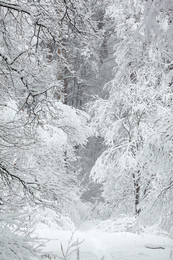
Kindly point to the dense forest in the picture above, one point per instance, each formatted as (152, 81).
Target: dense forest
(86, 116)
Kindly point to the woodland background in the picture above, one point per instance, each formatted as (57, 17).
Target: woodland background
(86, 115)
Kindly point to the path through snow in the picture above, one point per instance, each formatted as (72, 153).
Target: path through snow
(99, 245)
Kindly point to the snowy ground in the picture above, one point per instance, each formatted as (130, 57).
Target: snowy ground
(98, 245)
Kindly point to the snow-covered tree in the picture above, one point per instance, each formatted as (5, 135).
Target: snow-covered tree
(38, 130)
(136, 119)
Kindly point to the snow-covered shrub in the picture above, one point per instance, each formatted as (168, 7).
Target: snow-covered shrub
(121, 224)
(16, 247)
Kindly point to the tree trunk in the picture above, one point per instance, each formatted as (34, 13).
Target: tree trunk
(137, 192)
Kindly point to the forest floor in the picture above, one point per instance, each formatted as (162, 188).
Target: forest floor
(92, 244)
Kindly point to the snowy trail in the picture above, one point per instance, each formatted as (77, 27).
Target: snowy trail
(98, 245)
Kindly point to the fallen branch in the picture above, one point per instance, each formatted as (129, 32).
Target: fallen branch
(154, 247)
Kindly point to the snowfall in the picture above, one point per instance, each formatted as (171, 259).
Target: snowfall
(92, 242)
